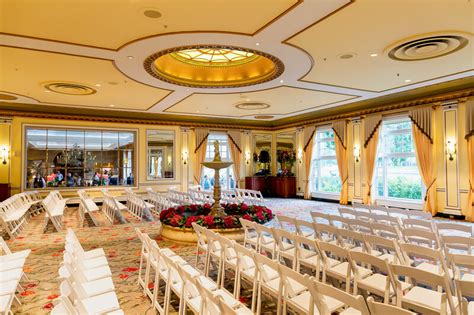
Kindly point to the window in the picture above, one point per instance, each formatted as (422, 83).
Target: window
(79, 158)
(160, 147)
(397, 174)
(227, 178)
(325, 174)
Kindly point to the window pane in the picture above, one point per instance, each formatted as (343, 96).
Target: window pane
(36, 166)
(329, 180)
(325, 173)
(56, 158)
(93, 157)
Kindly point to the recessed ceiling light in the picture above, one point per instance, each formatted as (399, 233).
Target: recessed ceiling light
(407, 80)
(152, 14)
(258, 44)
(247, 99)
(112, 105)
(130, 57)
(97, 85)
(47, 91)
(374, 55)
(281, 81)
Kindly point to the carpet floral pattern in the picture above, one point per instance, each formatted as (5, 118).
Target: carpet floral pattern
(122, 247)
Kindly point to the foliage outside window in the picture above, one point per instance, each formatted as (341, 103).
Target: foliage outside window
(325, 173)
(60, 158)
(397, 174)
(227, 177)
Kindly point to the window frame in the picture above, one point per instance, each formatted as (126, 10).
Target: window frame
(229, 170)
(385, 199)
(24, 162)
(318, 158)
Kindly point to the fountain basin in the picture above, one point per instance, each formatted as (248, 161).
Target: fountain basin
(187, 236)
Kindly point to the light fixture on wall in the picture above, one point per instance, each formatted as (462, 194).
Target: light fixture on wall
(357, 153)
(4, 155)
(451, 149)
(247, 157)
(169, 160)
(184, 157)
(300, 156)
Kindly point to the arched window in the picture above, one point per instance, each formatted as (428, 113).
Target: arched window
(227, 177)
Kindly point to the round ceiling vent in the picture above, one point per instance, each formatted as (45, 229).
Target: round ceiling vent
(6, 97)
(428, 47)
(347, 56)
(152, 13)
(264, 117)
(69, 88)
(252, 105)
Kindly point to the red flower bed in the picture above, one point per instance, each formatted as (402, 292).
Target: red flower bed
(184, 216)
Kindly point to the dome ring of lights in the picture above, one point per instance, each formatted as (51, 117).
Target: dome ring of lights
(213, 66)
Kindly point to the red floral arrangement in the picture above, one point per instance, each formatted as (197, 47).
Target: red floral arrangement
(184, 216)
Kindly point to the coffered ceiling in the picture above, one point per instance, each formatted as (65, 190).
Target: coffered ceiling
(88, 54)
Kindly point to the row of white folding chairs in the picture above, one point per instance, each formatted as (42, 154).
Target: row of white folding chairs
(200, 196)
(230, 196)
(159, 200)
(179, 197)
(412, 255)
(194, 290)
(112, 208)
(301, 293)
(250, 197)
(54, 205)
(87, 206)
(137, 206)
(86, 284)
(11, 273)
(392, 211)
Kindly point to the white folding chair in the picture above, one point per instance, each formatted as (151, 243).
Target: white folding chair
(201, 246)
(304, 228)
(286, 223)
(457, 243)
(266, 241)
(285, 246)
(250, 233)
(384, 248)
(385, 309)
(269, 281)
(421, 237)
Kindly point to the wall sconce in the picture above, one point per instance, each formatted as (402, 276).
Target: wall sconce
(300, 156)
(357, 153)
(169, 160)
(184, 157)
(4, 155)
(247, 157)
(451, 149)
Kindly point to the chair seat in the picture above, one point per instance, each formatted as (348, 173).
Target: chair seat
(341, 271)
(252, 239)
(12, 264)
(15, 255)
(376, 282)
(93, 253)
(303, 300)
(97, 273)
(13, 274)
(195, 304)
(99, 286)
(5, 302)
(426, 298)
(468, 277)
(8, 287)
(389, 257)
(436, 269)
(103, 303)
(305, 253)
(227, 297)
(91, 206)
(350, 311)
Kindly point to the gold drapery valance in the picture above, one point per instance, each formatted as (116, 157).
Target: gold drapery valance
(422, 118)
(201, 136)
(371, 124)
(308, 133)
(469, 118)
(339, 128)
(236, 138)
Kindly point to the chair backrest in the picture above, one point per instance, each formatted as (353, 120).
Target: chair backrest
(386, 230)
(464, 288)
(346, 212)
(320, 217)
(262, 229)
(286, 223)
(458, 229)
(363, 215)
(419, 236)
(333, 250)
(304, 228)
(287, 275)
(349, 239)
(385, 309)
(339, 221)
(245, 258)
(386, 219)
(324, 231)
(356, 302)
(416, 252)
(398, 212)
(200, 233)
(418, 224)
(457, 243)
(305, 245)
(461, 263)
(248, 226)
(263, 263)
(364, 259)
(379, 243)
(4, 246)
(362, 226)
(420, 214)
(378, 209)
(284, 238)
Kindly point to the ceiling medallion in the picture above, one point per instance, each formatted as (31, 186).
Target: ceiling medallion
(428, 47)
(69, 88)
(213, 66)
(252, 105)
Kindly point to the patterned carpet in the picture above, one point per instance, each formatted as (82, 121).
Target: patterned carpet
(123, 253)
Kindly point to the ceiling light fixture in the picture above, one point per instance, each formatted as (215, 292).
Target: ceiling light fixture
(130, 57)
(281, 81)
(47, 91)
(258, 44)
(98, 85)
(408, 80)
(374, 55)
(112, 105)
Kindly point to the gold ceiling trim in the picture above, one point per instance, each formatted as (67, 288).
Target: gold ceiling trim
(226, 125)
(166, 67)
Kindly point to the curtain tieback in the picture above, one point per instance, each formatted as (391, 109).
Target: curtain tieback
(345, 180)
(369, 193)
(428, 188)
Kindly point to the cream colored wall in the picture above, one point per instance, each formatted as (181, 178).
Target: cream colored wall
(5, 136)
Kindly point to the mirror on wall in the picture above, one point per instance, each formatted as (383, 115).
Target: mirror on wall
(262, 154)
(286, 153)
(160, 154)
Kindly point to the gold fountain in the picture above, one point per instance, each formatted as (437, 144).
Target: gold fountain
(217, 164)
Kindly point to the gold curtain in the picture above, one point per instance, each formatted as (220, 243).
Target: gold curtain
(200, 152)
(308, 154)
(341, 156)
(235, 153)
(425, 161)
(469, 212)
(371, 140)
(370, 156)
